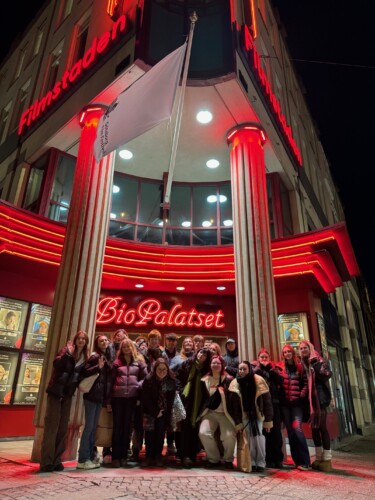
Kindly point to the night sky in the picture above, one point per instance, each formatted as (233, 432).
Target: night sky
(339, 96)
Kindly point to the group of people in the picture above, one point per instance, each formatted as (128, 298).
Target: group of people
(144, 387)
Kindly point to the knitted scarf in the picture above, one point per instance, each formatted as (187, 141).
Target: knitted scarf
(193, 387)
(248, 391)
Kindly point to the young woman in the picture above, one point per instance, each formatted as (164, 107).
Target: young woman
(187, 351)
(293, 398)
(318, 374)
(98, 362)
(158, 392)
(227, 416)
(66, 375)
(257, 411)
(274, 438)
(189, 374)
(127, 376)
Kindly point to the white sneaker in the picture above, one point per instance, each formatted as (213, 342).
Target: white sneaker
(87, 465)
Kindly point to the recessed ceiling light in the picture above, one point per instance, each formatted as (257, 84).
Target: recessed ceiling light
(180, 288)
(160, 223)
(228, 222)
(204, 116)
(139, 285)
(222, 198)
(206, 223)
(212, 198)
(212, 163)
(113, 216)
(125, 154)
(186, 223)
(115, 189)
(221, 288)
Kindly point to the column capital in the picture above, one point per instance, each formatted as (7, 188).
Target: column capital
(250, 128)
(91, 113)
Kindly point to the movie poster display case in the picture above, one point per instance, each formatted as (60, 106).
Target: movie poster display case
(23, 337)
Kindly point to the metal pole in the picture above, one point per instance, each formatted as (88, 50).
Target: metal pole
(172, 161)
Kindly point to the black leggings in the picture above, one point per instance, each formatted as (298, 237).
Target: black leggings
(320, 436)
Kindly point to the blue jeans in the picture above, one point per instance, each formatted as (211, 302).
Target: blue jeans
(86, 447)
(292, 416)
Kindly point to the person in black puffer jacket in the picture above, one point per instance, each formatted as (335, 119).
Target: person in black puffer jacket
(318, 374)
(94, 400)
(67, 371)
(157, 396)
(274, 438)
(293, 399)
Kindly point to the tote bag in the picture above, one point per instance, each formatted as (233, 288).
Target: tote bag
(86, 383)
(243, 452)
(104, 429)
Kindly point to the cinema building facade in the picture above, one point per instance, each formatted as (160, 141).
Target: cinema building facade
(253, 242)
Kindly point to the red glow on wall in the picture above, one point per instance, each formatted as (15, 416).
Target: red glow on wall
(70, 77)
(255, 63)
(149, 311)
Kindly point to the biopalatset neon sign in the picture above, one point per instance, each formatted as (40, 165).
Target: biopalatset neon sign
(254, 60)
(98, 47)
(150, 311)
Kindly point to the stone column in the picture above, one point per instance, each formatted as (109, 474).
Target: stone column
(255, 290)
(79, 279)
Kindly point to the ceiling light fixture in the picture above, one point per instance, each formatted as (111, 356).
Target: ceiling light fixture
(212, 198)
(139, 285)
(204, 116)
(221, 288)
(180, 288)
(186, 223)
(125, 154)
(206, 223)
(115, 189)
(228, 222)
(212, 163)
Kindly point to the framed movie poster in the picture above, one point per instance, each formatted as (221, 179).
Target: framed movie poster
(12, 321)
(323, 337)
(293, 328)
(8, 366)
(28, 379)
(38, 327)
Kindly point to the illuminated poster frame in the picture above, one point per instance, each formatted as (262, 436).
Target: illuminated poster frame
(293, 327)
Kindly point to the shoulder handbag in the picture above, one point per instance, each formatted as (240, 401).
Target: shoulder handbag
(178, 411)
(86, 383)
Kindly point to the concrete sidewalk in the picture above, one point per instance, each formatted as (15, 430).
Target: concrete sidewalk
(353, 477)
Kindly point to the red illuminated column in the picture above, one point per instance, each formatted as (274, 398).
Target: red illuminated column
(78, 285)
(255, 291)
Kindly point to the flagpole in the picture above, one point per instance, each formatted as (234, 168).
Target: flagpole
(172, 161)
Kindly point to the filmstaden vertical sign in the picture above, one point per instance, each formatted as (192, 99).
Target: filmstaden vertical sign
(150, 312)
(99, 46)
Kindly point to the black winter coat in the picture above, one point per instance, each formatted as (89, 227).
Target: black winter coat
(65, 376)
(150, 396)
(100, 392)
(272, 375)
(322, 374)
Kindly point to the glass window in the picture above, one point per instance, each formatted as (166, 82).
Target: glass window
(151, 196)
(226, 236)
(21, 59)
(225, 205)
(124, 197)
(20, 105)
(178, 237)
(180, 211)
(121, 230)
(204, 206)
(34, 184)
(149, 234)
(38, 40)
(55, 59)
(205, 237)
(62, 188)
(4, 120)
